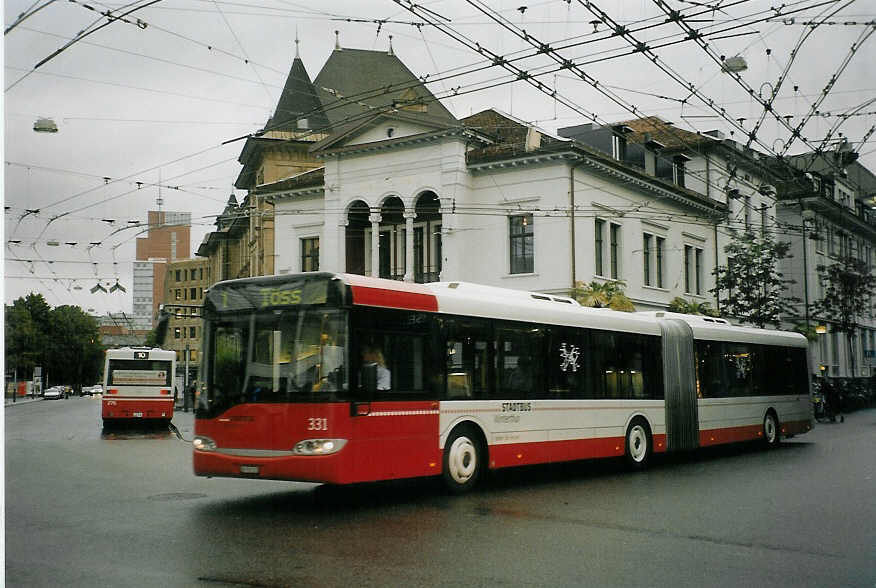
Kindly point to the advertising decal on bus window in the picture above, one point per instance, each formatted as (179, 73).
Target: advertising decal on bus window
(139, 377)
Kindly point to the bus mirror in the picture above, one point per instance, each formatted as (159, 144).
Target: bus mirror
(369, 378)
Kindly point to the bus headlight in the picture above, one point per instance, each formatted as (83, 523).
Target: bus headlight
(203, 444)
(318, 446)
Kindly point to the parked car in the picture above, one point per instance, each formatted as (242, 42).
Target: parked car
(54, 393)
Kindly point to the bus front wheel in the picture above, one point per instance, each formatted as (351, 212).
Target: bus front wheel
(463, 460)
(637, 450)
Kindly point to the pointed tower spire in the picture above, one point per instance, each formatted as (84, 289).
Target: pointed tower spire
(337, 41)
(390, 45)
(297, 54)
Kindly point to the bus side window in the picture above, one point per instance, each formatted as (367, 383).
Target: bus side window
(738, 367)
(520, 362)
(567, 364)
(468, 354)
(709, 368)
(403, 354)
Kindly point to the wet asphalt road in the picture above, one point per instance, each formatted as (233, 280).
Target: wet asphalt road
(88, 509)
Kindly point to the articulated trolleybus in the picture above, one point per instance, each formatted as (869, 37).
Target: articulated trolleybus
(341, 378)
(138, 384)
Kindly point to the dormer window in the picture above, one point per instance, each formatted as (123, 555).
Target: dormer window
(303, 124)
(619, 142)
(390, 131)
(678, 169)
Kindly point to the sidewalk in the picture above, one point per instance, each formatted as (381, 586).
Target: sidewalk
(22, 400)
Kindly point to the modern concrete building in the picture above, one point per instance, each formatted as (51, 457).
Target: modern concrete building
(167, 240)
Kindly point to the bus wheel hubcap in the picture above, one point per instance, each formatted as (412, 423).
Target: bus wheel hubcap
(638, 444)
(770, 427)
(462, 460)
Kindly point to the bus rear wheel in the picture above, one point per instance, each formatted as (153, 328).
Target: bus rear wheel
(771, 435)
(637, 444)
(463, 460)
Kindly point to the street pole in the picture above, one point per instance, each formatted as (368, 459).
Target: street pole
(186, 380)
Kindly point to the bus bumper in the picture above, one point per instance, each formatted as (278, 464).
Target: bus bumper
(113, 408)
(299, 468)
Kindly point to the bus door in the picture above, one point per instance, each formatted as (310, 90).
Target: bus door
(679, 385)
(395, 414)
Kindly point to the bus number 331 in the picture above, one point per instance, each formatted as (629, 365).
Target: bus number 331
(317, 424)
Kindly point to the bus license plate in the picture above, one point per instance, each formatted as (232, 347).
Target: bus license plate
(249, 469)
(138, 414)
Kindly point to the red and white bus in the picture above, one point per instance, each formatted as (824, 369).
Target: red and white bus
(138, 384)
(341, 378)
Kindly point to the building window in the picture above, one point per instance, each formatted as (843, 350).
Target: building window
(834, 354)
(678, 170)
(659, 254)
(178, 294)
(653, 249)
(192, 332)
(647, 241)
(618, 146)
(310, 254)
(176, 332)
(193, 293)
(764, 220)
(693, 270)
(747, 212)
(614, 249)
(177, 275)
(599, 229)
(521, 240)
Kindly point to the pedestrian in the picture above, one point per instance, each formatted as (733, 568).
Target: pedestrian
(192, 389)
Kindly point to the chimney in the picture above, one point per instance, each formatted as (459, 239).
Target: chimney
(533, 139)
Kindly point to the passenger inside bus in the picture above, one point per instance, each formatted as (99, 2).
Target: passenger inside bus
(373, 355)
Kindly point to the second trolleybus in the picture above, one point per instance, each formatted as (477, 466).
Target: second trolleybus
(341, 378)
(138, 384)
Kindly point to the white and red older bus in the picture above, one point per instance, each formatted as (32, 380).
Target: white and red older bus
(342, 378)
(138, 384)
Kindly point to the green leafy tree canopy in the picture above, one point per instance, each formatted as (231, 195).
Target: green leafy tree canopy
(754, 287)
(64, 340)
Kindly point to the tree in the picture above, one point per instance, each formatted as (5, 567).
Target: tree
(848, 287)
(27, 323)
(64, 340)
(754, 285)
(74, 346)
(679, 304)
(603, 295)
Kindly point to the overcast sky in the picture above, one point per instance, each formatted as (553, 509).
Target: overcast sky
(152, 103)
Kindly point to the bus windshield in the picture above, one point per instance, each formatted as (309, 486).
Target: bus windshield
(290, 355)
